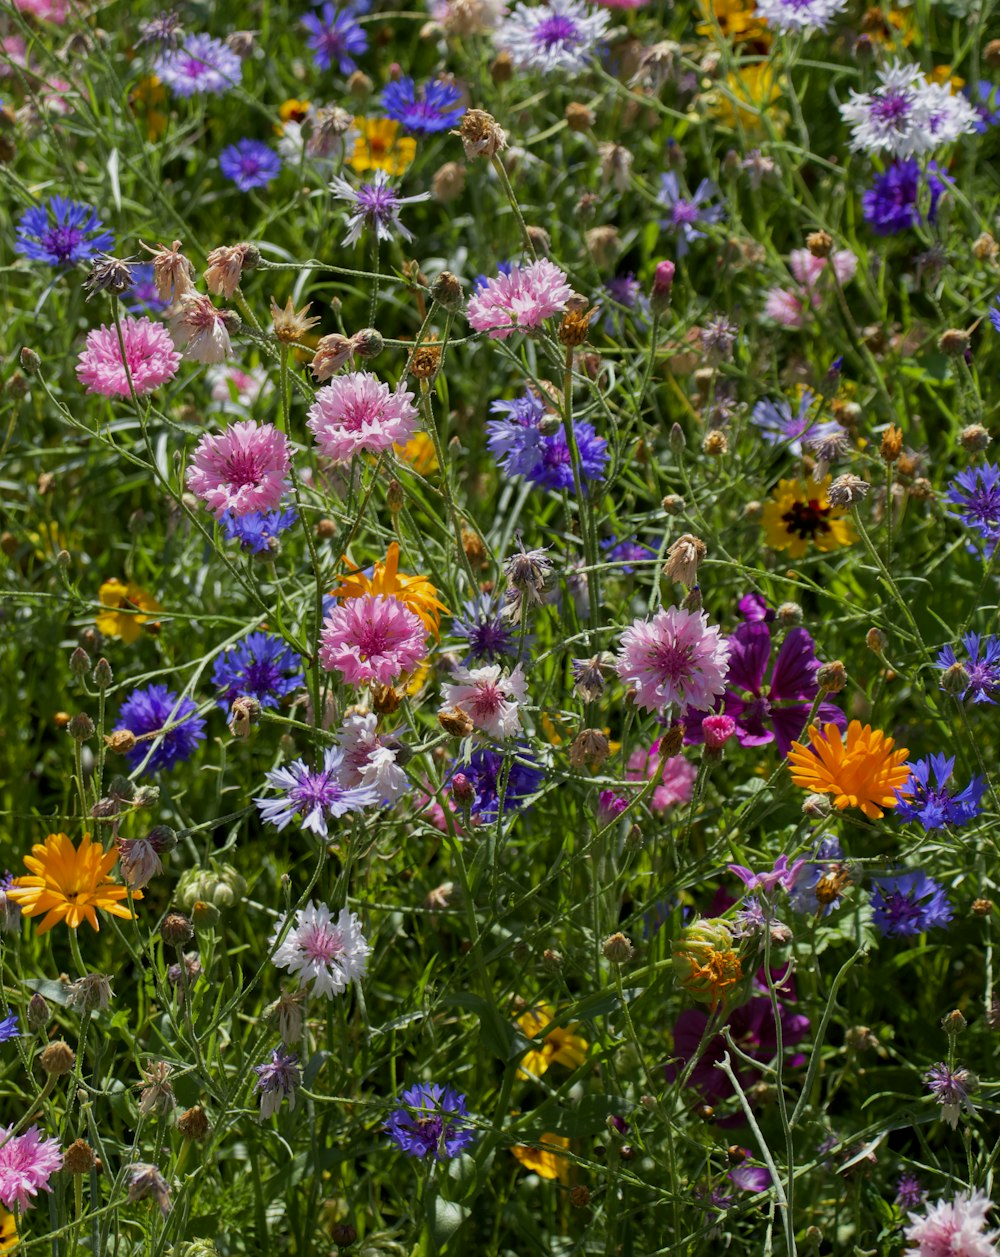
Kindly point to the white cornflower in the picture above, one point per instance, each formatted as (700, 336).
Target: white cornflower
(799, 15)
(905, 115)
(368, 760)
(328, 953)
(488, 698)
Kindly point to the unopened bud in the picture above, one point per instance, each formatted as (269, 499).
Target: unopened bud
(876, 641)
(892, 444)
(368, 343)
(618, 949)
(447, 291)
(673, 504)
(789, 614)
(955, 680)
(462, 790)
(79, 662)
(103, 676)
(816, 806)
(954, 342)
(832, 677)
(974, 438)
(663, 282)
(677, 438)
(81, 727)
(953, 1023)
(57, 1059)
(38, 1013)
(819, 243)
(176, 929)
(79, 1158)
(394, 498)
(30, 361)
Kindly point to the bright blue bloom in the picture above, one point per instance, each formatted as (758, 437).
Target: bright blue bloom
(683, 213)
(909, 904)
(936, 806)
(983, 97)
(8, 1028)
(432, 109)
(521, 449)
(994, 313)
(335, 36)
(261, 667)
(256, 531)
(984, 672)
(891, 204)
(503, 268)
(142, 297)
(483, 770)
(489, 636)
(250, 164)
(431, 1123)
(802, 895)
(203, 64)
(62, 233)
(976, 491)
(147, 711)
(627, 552)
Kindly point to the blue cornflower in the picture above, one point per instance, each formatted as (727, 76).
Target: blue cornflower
(983, 97)
(936, 806)
(335, 36)
(976, 491)
(143, 297)
(434, 108)
(994, 313)
(684, 212)
(802, 895)
(909, 904)
(250, 164)
(277, 1080)
(503, 268)
(626, 552)
(8, 1028)
(431, 1122)
(983, 672)
(62, 233)
(313, 795)
(891, 204)
(483, 771)
(778, 423)
(148, 711)
(203, 64)
(261, 667)
(256, 531)
(521, 449)
(489, 636)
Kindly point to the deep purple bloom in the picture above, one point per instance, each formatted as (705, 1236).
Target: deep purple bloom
(484, 772)
(249, 164)
(261, 667)
(983, 97)
(489, 636)
(936, 806)
(983, 670)
(431, 1122)
(951, 1088)
(148, 711)
(62, 233)
(909, 904)
(335, 36)
(277, 1080)
(609, 807)
(164, 31)
(521, 449)
(802, 895)
(781, 875)
(8, 1028)
(891, 205)
(143, 297)
(909, 1192)
(256, 531)
(434, 108)
(684, 213)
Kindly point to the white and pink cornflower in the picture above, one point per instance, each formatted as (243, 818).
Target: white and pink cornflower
(369, 759)
(375, 205)
(329, 954)
(520, 300)
(199, 329)
(905, 115)
(799, 15)
(244, 469)
(372, 638)
(356, 412)
(560, 35)
(314, 795)
(676, 657)
(790, 306)
(150, 358)
(953, 1227)
(489, 698)
(236, 389)
(27, 1162)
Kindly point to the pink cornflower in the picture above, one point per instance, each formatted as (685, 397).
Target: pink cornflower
(718, 730)
(26, 1163)
(45, 10)
(521, 299)
(488, 698)
(372, 638)
(200, 329)
(243, 470)
(676, 779)
(356, 412)
(953, 1229)
(674, 658)
(150, 357)
(788, 306)
(330, 954)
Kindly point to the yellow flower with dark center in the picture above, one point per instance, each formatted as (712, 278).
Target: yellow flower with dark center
(544, 1161)
(799, 515)
(736, 19)
(69, 883)
(8, 1231)
(560, 1045)
(862, 770)
(418, 453)
(416, 592)
(124, 602)
(293, 111)
(380, 147)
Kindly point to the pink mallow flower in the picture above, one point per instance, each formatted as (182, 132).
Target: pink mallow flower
(150, 357)
(26, 1163)
(372, 638)
(243, 470)
(953, 1229)
(676, 779)
(519, 300)
(356, 412)
(488, 698)
(788, 306)
(674, 658)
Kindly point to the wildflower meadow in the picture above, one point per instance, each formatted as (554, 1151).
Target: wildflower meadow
(501, 636)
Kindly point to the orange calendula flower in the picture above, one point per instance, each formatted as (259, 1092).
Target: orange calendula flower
(379, 146)
(544, 1161)
(560, 1046)
(123, 603)
(418, 453)
(706, 963)
(416, 592)
(861, 771)
(69, 883)
(799, 515)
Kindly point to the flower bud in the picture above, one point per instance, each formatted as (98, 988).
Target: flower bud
(677, 438)
(876, 641)
(38, 1013)
(705, 961)
(955, 680)
(368, 343)
(176, 929)
(618, 949)
(832, 677)
(462, 790)
(663, 282)
(954, 342)
(789, 614)
(974, 439)
(673, 504)
(244, 715)
(79, 1158)
(447, 291)
(30, 361)
(103, 676)
(79, 662)
(81, 727)
(953, 1023)
(57, 1059)
(579, 117)
(817, 806)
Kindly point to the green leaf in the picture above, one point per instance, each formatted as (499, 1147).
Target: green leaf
(446, 1219)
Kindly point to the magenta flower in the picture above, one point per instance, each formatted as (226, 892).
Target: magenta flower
(780, 875)
(677, 777)
(356, 412)
(674, 658)
(372, 638)
(519, 300)
(26, 1164)
(956, 1227)
(243, 470)
(150, 357)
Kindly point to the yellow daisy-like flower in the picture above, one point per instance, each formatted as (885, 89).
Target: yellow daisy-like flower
(750, 93)
(293, 110)
(123, 602)
(799, 515)
(68, 883)
(8, 1231)
(737, 19)
(416, 592)
(380, 147)
(861, 771)
(418, 453)
(560, 1045)
(543, 1161)
(942, 74)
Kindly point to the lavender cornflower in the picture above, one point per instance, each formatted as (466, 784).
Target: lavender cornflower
(994, 313)
(560, 35)
(951, 1088)
(257, 532)
(435, 107)
(431, 1122)
(277, 1080)
(335, 36)
(909, 904)
(811, 881)
(976, 492)
(778, 423)
(201, 64)
(149, 710)
(891, 204)
(936, 806)
(10, 912)
(979, 675)
(261, 667)
(313, 795)
(522, 449)
(375, 205)
(8, 1028)
(62, 233)
(249, 164)
(781, 875)
(489, 638)
(799, 15)
(685, 212)
(909, 1192)
(164, 30)
(627, 552)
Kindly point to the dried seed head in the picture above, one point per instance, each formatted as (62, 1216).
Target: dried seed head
(176, 929)
(789, 614)
(92, 993)
(986, 248)
(109, 274)
(832, 677)
(455, 721)
(618, 949)
(579, 117)
(226, 265)
(193, 1124)
(172, 271)
(540, 239)
(502, 67)
(481, 135)
(425, 362)
(819, 244)
(447, 291)
(847, 490)
(291, 325)
(332, 352)
(974, 438)
(982, 907)
(589, 748)
(672, 741)
(991, 54)
(892, 444)
(683, 559)
(954, 342)
(79, 1158)
(574, 328)
(876, 641)
(715, 444)
(81, 727)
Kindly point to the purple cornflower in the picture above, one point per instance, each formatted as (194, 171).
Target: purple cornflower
(891, 204)
(778, 423)
(8, 1028)
(434, 108)
(375, 205)
(249, 164)
(261, 667)
(983, 671)
(951, 1088)
(521, 449)
(909, 1192)
(335, 36)
(627, 552)
(750, 1178)
(10, 912)
(802, 895)
(489, 637)
(202, 64)
(62, 233)
(277, 1080)
(685, 212)
(164, 30)
(257, 531)
(143, 297)
(609, 807)
(936, 806)
(994, 313)
(976, 492)
(313, 795)
(484, 771)
(781, 875)
(431, 1122)
(150, 710)
(909, 904)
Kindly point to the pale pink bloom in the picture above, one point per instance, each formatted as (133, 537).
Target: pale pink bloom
(242, 470)
(807, 269)
(431, 810)
(953, 1229)
(330, 954)
(356, 412)
(26, 1163)
(45, 10)
(249, 385)
(150, 357)
(368, 759)
(676, 780)
(372, 638)
(12, 48)
(200, 329)
(674, 658)
(521, 299)
(488, 698)
(788, 306)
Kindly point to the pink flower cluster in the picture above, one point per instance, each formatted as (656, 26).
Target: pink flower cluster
(150, 357)
(372, 638)
(788, 306)
(954, 1228)
(242, 470)
(523, 298)
(489, 699)
(356, 412)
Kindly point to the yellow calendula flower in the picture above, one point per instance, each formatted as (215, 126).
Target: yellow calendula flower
(8, 1231)
(560, 1045)
(418, 453)
(860, 770)
(749, 94)
(379, 146)
(544, 1160)
(69, 883)
(736, 19)
(416, 592)
(799, 516)
(127, 607)
(888, 29)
